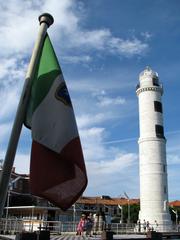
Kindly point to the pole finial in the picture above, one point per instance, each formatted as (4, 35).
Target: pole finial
(47, 18)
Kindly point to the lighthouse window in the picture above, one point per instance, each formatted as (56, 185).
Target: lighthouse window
(159, 131)
(158, 106)
(165, 190)
(155, 82)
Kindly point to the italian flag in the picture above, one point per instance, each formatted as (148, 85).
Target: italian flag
(57, 169)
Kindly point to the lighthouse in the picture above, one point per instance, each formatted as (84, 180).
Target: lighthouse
(152, 153)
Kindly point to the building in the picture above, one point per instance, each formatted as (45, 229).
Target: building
(152, 152)
(21, 204)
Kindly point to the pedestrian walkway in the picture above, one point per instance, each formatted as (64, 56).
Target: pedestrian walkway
(8, 237)
(97, 237)
(74, 237)
(56, 237)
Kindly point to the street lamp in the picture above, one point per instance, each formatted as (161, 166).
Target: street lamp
(128, 199)
(175, 212)
(74, 216)
(121, 207)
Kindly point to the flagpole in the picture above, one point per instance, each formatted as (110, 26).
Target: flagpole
(45, 21)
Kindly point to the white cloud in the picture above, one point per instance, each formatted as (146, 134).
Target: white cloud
(22, 162)
(12, 69)
(77, 44)
(18, 28)
(107, 166)
(68, 16)
(86, 120)
(112, 166)
(9, 101)
(5, 129)
(77, 59)
(147, 35)
(127, 47)
(173, 159)
(92, 39)
(107, 101)
(64, 12)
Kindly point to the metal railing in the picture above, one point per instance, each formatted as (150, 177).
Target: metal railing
(13, 226)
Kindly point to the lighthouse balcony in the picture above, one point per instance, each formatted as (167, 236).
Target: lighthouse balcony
(153, 84)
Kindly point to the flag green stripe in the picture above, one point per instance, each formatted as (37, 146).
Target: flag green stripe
(46, 71)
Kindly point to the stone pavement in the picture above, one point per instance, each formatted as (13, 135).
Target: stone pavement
(56, 237)
(74, 237)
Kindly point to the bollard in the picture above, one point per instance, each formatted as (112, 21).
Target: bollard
(44, 235)
(154, 235)
(26, 236)
(107, 235)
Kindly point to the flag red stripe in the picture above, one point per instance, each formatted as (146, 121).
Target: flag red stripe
(53, 175)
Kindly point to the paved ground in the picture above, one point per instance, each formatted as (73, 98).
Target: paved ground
(74, 237)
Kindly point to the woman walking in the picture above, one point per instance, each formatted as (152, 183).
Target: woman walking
(81, 225)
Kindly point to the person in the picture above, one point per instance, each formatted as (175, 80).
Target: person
(155, 225)
(81, 225)
(148, 226)
(144, 225)
(89, 225)
(139, 225)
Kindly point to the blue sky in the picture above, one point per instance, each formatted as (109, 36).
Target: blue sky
(102, 47)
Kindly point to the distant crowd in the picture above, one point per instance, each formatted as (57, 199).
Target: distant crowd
(146, 226)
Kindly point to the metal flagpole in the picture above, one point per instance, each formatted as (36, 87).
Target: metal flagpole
(45, 21)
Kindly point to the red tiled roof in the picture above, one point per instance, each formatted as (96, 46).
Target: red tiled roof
(109, 201)
(175, 203)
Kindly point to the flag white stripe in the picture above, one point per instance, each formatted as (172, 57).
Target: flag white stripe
(58, 120)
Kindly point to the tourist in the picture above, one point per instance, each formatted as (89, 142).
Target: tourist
(81, 225)
(139, 225)
(89, 225)
(144, 225)
(155, 225)
(148, 226)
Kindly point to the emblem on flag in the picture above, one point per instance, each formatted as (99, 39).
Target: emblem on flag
(63, 95)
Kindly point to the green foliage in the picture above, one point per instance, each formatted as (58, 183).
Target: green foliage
(173, 215)
(134, 212)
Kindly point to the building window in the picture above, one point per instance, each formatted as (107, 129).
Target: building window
(164, 168)
(159, 131)
(158, 106)
(106, 209)
(165, 189)
(155, 82)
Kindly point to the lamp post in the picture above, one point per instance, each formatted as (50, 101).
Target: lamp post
(74, 216)
(129, 217)
(121, 207)
(175, 212)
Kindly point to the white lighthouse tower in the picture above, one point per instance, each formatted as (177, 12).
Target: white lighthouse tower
(152, 153)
